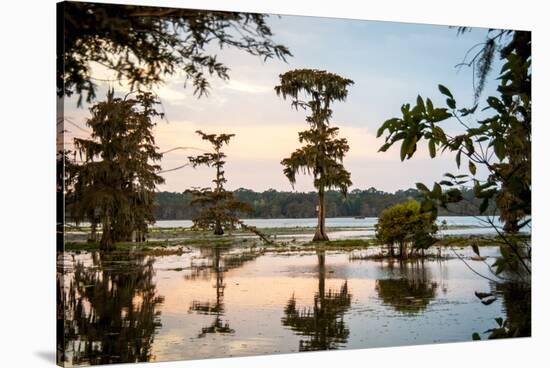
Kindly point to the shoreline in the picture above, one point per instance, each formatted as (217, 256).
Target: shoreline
(175, 246)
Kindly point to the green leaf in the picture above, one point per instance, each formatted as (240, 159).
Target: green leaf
(422, 187)
(500, 151)
(399, 136)
(406, 146)
(403, 152)
(412, 146)
(454, 195)
(469, 146)
(439, 133)
(439, 114)
(451, 103)
(380, 130)
(476, 337)
(388, 124)
(431, 145)
(437, 192)
(472, 167)
(420, 103)
(483, 206)
(430, 106)
(384, 147)
(445, 91)
(495, 103)
(458, 156)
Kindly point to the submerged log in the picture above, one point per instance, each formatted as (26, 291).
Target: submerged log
(254, 229)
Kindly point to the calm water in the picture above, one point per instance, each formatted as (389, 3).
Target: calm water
(367, 222)
(349, 227)
(214, 302)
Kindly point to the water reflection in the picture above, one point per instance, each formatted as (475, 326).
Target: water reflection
(218, 262)
(516, 300)
(111, 310)
(323, 323)
(412, 292)
(215, 308)
(240, 301)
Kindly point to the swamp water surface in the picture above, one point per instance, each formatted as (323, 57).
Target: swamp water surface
(213, 302)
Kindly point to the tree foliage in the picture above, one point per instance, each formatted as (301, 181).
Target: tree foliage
(114, 180)
(480, 57)
(322, 153)
(282, 204)
(219, 208)
(501, 143)
(143, 45)
(406, 224)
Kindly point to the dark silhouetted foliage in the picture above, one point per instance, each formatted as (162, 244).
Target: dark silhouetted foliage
(276, 204)
(218, 208)
(113, 178)
(501, 143)
(143, 44)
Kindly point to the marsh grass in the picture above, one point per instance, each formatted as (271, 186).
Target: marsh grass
(479, 240)
(198, 239)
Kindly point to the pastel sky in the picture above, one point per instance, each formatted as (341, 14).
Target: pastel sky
(390, 63)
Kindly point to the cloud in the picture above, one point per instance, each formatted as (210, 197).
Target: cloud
(173, 95)
(390, 63)
(247, 87)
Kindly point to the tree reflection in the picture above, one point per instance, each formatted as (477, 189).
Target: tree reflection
(412, 292)
(111, 310)
(323, 324)
(516, 300)
(219, 262)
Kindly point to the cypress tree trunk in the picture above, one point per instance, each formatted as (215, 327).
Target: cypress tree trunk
(218, 229)
(320, 232)
(106, 242)
(93, 233)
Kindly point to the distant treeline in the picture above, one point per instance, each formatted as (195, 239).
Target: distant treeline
(275, 204)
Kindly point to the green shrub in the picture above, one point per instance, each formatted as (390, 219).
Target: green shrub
(406, 225)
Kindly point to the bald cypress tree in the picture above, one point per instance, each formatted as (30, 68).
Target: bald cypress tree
(322, 153)
(117, 176)
(219, 209)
